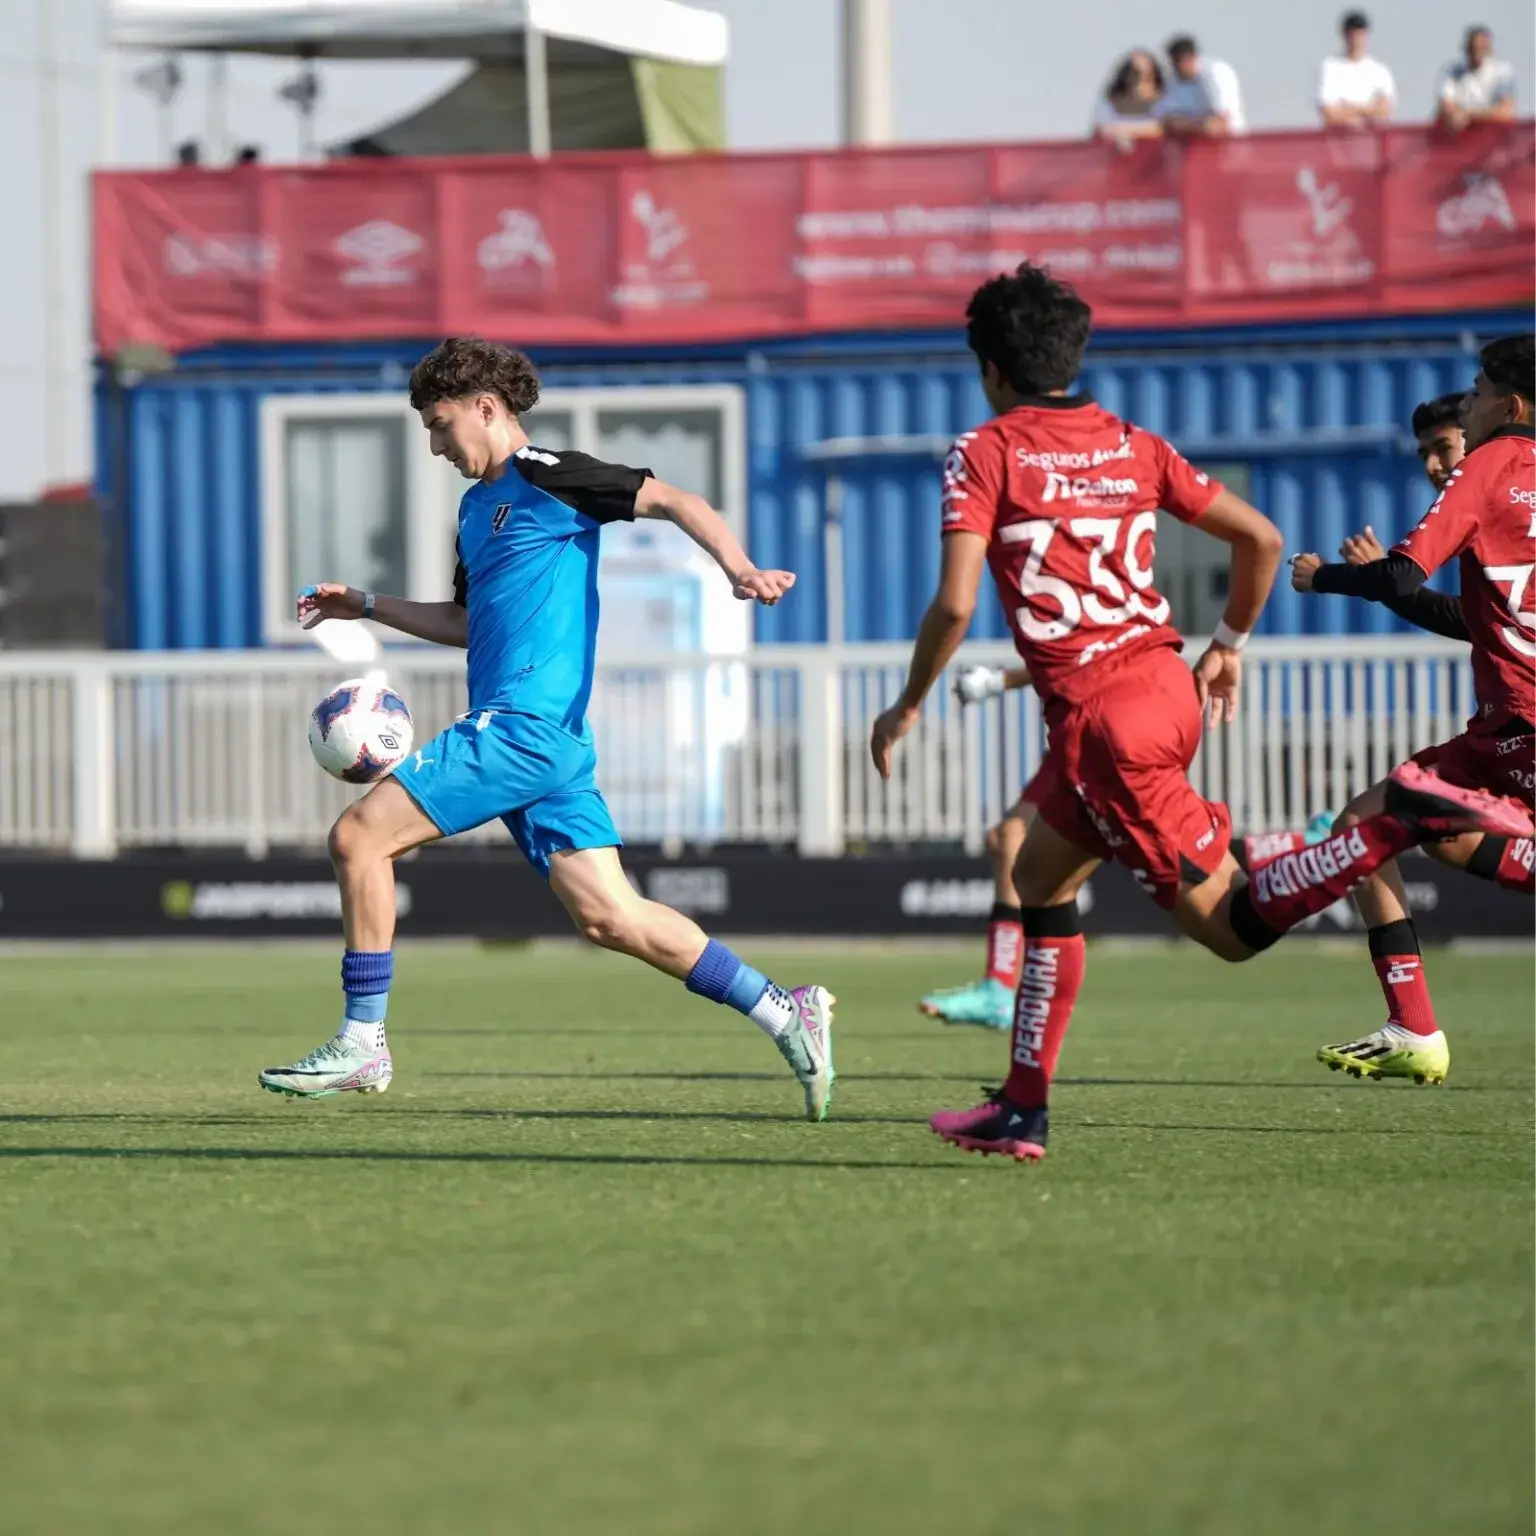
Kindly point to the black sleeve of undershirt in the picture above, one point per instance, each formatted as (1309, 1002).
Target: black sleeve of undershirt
(1396, 583)
(1396, 576)
(604, 492)
(1438, 612)
(460, 578)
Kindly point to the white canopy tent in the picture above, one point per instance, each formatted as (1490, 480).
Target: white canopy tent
(531, 33)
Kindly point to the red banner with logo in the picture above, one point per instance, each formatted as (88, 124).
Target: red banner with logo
(629, 249)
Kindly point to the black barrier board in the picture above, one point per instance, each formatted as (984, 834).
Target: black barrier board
(490, 893)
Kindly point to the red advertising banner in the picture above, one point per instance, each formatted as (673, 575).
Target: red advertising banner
(629, 249)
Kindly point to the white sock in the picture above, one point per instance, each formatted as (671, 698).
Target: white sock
(774, 1011)
(369, 1036)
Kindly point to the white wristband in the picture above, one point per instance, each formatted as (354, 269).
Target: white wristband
(1233, 639)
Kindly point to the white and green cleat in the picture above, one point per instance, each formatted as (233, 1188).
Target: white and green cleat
(987, 1003)
(1392, 1051)
(806, 1044)
(339, 1066)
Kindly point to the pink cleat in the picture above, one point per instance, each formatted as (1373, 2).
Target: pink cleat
(998, 1126)
(1434, 808)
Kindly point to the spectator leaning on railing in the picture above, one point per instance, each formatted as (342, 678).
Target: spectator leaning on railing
(1204, 96)
(1477, 88)
(1353, 89)
(1127, 110)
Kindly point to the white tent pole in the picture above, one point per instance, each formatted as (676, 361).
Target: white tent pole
(536, 85)
(58, 415)
(867, 115)
(218, 108)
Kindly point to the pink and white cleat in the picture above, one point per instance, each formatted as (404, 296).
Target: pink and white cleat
(999, 1126)
(339, 1066)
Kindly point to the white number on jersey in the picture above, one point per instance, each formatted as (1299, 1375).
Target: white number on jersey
(1115, 606)
(1522, 633)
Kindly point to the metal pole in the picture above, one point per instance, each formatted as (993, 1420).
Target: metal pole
(832, 560)
(867, 106)
(217, 130)
(106, 91)
(57, 414)
(536, 86)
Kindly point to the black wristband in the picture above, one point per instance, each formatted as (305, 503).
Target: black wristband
(369, 599)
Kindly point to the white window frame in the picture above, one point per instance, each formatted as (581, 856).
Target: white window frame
(429, 570)
(730, 400)
(431, 504)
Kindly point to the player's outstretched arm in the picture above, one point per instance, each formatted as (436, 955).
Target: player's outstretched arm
(938, 637)
(1256, 548)
(709, 531)
(441, 623)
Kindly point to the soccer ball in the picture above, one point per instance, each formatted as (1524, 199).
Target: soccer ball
(360, 730)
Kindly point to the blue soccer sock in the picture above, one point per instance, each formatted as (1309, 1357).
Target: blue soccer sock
(722, 977)
(365, 978)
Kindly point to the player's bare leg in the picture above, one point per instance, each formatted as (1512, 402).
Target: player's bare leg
(1236, 919)
(1014, 1121)
(365, 842)
(989, 1002)
(592, 886)
(1410, 1044)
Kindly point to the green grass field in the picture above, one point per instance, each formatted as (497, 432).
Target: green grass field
(584, 1269)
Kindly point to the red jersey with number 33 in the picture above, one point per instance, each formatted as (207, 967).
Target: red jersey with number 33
(1066, 496)
(1487, 515)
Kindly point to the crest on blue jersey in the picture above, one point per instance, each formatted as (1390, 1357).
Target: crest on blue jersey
(499, 517)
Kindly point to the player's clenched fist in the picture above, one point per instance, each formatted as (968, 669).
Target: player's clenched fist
(330, 600)
(1303, 569)
(766, 587)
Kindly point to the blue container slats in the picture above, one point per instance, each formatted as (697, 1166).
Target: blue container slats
(1311, 424)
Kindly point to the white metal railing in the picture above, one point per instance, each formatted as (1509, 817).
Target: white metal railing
(133, 749)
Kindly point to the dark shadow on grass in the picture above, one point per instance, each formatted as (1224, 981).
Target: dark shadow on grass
(636, 1160)
(551, 1075)
(1417, 1132)
(704, 1077)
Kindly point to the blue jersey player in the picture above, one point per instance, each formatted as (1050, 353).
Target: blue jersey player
(525, 607)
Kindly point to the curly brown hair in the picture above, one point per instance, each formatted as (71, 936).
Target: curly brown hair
(465, 365)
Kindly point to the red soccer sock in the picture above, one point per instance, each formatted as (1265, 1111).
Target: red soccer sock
(1296, 886)
(1054, 962)
(1005, 945)
(1507, 861)
(1400, 970)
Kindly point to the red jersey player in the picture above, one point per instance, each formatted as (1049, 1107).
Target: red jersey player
(1485, 515)
(1061, 499)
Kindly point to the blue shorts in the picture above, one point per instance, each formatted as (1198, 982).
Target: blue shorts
(534, 775)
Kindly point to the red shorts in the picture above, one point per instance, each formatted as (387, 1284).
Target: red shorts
(1503, 765)
(1037, 789)
(1116, 778)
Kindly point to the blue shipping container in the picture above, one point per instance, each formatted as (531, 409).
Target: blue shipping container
(1311, 423)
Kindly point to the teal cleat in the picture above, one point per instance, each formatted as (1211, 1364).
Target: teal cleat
(986, 1003)
(1319, 827)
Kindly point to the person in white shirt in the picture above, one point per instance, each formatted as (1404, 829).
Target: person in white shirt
(1477, 88)
(1127, 111)
(1353, 89)
(1204, 97)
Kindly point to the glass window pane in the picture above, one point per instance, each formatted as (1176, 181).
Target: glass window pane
(682, 447)
(346, 503)
(1192, 568)
(551, 429)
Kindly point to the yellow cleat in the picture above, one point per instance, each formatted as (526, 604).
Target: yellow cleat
(1392, 1051)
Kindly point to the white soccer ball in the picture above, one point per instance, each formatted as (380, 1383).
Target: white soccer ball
(360, 730)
